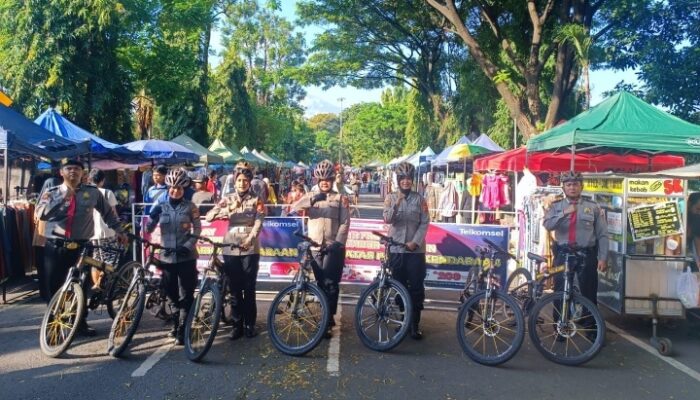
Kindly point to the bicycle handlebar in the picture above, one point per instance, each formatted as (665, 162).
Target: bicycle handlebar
(215, 244)
(141, 240)
(497, 248)
(387, 240)
(306, 238)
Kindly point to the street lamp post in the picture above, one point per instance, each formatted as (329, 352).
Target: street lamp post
(340, 142)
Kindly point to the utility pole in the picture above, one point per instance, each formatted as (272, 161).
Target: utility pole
(340, 142)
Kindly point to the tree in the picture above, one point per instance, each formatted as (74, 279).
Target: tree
(328, 122)
(579, 38)
(374, 131)
(512, 41)
(419, 130)
(372, 43)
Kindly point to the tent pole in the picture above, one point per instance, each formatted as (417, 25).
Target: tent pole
(573, 156)
(6, 190)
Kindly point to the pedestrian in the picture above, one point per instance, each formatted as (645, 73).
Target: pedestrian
(213, 184)
(581, 223)
(355, 185)
(158, 189)
(103, 233)
(67, 210)
(407, 213)
(245, 212)
(178, 219)
(328, 225)
(202, 196)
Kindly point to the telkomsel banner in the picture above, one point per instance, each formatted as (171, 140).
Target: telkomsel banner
(451, 249)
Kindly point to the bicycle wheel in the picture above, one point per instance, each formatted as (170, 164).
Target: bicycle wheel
(573, 340)
(203, 322)
(490, 329)
(383, 315)
(520, 286)
(119, 285)
(61, 320)
(297, 319)
(127, 320)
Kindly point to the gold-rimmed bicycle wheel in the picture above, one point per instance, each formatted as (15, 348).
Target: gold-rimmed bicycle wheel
(127, 319)
(61, 320)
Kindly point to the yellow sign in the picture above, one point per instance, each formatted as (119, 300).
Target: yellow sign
(655, 186)
(603, 185)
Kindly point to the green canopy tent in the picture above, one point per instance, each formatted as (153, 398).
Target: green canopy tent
(205, 155)
(252, 158)
(230, 155)
(622, 123)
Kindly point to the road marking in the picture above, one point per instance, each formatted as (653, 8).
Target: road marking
(23, 328)
(651, 350)
(333, 366)
(153, 359)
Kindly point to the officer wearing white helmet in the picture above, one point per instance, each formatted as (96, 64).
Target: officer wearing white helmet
(178, 219)
(329, 222)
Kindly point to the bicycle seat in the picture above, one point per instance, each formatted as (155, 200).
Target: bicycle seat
(535, 257)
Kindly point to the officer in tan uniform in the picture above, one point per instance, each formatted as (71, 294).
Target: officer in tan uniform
(67, 209)
(245, 212)
(407, 213)
(579, 222)
(328, 224)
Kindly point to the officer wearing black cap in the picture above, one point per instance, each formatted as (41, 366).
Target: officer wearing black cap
(68, 210)
(582, 223)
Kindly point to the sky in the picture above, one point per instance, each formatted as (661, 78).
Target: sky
(329, 101)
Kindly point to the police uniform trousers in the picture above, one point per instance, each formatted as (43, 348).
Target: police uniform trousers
(179, 281)
(328, 269)
(409, 269)
(587, 274)
(57, 262)
(242, 272)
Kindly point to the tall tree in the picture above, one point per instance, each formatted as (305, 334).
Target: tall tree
(419, 130)
(374, 131)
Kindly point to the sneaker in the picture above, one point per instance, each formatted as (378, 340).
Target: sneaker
(236, 333)
(416, 333)
(180, 338)
(250, 332)
(329, 332)
(86, 330)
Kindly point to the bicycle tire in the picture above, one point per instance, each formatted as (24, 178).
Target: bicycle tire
(53, 329)
(202, 322)
(379, 312)
(119, 285)
(472, 334)
(543, 329)
(520, 287)
(314, 313)
(127, 320)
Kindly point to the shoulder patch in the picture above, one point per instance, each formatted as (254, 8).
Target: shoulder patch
(387, 201)
(195, 211)
(424, 205)
(260, 207)
(344, 201)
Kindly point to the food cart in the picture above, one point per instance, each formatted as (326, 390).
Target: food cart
(646, 219)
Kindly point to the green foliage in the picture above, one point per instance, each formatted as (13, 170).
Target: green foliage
(419, 129)
(374, 131)
(501, 131)
(327, 122)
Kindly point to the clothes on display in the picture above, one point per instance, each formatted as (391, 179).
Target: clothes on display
(16, 230)
(448, 202)
(533, 237)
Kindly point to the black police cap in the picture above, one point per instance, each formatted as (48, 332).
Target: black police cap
(72, 161)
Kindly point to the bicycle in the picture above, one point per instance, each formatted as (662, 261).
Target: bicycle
(490, 323)
(202, 323)
(564, 326)
(67, 308)
(143, 292)
(385, 305)
(299, 314)
(526, 290)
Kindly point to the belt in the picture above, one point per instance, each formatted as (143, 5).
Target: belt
(240, 229)
(68, 244)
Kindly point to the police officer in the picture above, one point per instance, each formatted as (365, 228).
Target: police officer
(329, 221)
(177, 218)
(407, 212)
(579, 222)
(245, 212)
(68, 210)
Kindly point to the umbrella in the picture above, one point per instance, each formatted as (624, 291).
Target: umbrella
(464, 151)
(163, 151)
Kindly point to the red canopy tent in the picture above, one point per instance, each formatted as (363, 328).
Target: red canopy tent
(517, 159)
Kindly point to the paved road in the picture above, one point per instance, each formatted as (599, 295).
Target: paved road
(434, 368)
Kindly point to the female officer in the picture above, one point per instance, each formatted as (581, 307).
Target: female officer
(407, 212)
(329, 221)
(177, 218)
(245, 212)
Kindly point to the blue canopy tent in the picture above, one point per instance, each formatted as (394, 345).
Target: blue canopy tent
(162, 151)
(61, 126)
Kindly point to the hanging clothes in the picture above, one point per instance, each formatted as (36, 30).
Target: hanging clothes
(448, 201)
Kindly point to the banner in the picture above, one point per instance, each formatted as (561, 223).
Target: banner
(665, 187)
(603, 185)
(450, 252)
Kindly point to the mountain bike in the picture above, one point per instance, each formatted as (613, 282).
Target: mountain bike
(384, 310)
(67, 308)
(143, 292)
(299, 314)
(490, 323)
(564, 326)
(203, 319)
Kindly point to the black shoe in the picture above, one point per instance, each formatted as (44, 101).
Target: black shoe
(173, 332)
(329, 332)
(416, 333)
(85, 330)
(180, 338)
(236, 333)
(250, 332)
